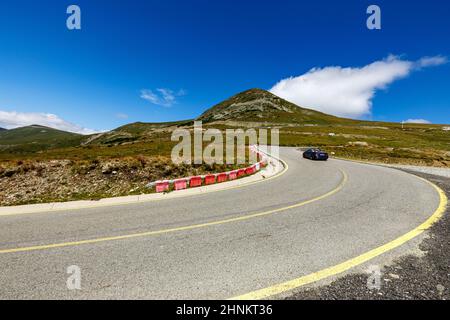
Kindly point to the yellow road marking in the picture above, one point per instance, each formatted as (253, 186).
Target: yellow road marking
(184, 228)
(345, 266)
(96, 205)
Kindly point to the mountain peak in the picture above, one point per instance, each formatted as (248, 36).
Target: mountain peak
(255, 91)
(257, 105)
(250, 104)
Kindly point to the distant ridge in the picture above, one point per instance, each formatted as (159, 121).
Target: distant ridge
(36, 138)
(254, 108)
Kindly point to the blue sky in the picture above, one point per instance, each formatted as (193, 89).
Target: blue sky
(168, 60)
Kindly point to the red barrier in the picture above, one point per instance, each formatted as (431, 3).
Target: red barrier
(241, 173)
(233, 175)
(195, 182)
(250, 170)
(222, 177)
(162, 186)
(210, 179)
(180, 184)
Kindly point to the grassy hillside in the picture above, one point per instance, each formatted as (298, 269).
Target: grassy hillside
(39, 164)
(134, 132)
(386, 142)
(255, 108)
(257, 105)
(31, 181)
(26, 140)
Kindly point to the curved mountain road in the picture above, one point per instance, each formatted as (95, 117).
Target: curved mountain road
(217, 245)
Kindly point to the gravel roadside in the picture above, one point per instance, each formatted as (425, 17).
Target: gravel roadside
(409, 277)
(443, 172)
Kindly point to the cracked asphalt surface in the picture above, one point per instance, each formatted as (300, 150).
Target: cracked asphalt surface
(217, 260)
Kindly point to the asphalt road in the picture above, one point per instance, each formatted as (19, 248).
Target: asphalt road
(216, 245)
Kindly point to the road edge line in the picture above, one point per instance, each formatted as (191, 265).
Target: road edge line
(349, 264)
(181, 228)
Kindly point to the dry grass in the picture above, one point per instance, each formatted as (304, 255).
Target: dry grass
(40, 181)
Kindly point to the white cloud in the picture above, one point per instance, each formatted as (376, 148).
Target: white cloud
(431, 61)
(419, 121)
(121, 116)
(13, 119)
(348, 92)
(162, 96)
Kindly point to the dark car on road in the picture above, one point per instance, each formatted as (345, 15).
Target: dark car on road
(315, 154)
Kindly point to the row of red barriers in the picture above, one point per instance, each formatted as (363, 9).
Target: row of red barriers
(210, 179)
(197, 181)
(162, 186)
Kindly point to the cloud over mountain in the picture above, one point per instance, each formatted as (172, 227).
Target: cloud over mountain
(348, 91)
(13, 119)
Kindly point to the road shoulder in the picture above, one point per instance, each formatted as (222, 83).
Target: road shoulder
(411, 276)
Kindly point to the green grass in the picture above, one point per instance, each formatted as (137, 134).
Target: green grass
(27, 140)
(387, 142)
(412, 145)
(141, 152)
